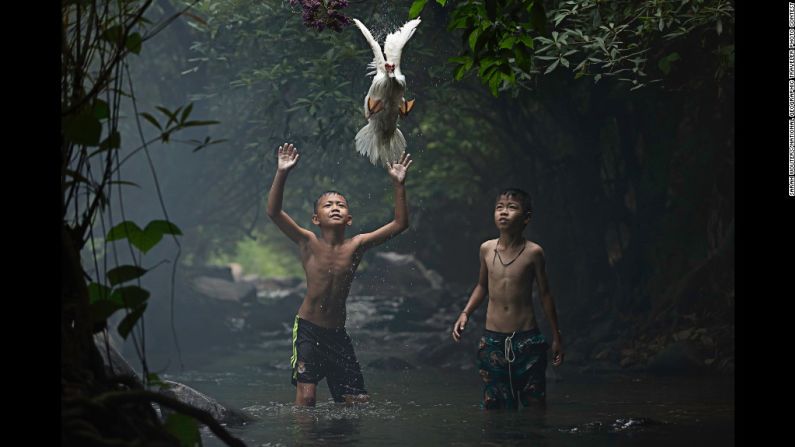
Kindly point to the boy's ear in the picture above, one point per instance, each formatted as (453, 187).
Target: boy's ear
(527, 217)
(350, 220)
(315, 220)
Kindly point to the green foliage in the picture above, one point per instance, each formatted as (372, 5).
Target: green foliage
(97, 292)
(126, 325)
(267, 256)
(97, 39)
(177, 120)
(144, 239)
(185, 429)
(124, 273)
(130, 296)
(507, 40)
(82, 128)
(270, 80)
(416, 8)
(153, 379)
(665, 62)
(106, 301)
(98, 36)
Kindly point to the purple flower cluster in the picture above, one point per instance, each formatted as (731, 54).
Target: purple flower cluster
(321, 14)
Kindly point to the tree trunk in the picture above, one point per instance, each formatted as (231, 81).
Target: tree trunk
(79, 356)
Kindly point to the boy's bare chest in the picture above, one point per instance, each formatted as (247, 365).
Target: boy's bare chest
(519, 272)
(331, 261)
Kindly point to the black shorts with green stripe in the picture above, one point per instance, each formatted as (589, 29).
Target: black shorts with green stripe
(320, 352)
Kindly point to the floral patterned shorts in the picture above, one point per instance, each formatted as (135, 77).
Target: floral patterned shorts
(523, 379)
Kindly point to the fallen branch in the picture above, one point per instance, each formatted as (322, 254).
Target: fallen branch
(149, 396)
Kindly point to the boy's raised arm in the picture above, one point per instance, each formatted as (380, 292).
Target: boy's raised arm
(549, 305)
(397, 172)
(478, 294)
(287, 158)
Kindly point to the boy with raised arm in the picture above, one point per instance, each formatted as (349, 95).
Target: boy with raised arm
(321, 346)
(512, 351)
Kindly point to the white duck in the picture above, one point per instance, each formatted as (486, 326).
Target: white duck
(380, 139)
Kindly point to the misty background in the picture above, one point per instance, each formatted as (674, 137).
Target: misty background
(633, 191)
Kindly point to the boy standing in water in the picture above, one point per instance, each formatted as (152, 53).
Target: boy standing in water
(512, 351)
(321, 346)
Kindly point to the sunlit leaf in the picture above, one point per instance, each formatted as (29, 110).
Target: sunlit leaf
(416, 8)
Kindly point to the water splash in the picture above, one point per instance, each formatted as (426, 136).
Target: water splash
(617, 426)
(327, 411)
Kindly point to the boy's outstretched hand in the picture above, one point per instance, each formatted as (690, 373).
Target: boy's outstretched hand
(288, 157)
(458, 327)
(397, 171)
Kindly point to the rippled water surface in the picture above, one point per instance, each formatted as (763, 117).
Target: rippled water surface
(430, 406)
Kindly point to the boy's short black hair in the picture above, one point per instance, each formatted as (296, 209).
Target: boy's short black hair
(521, 195)
(325, 193)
